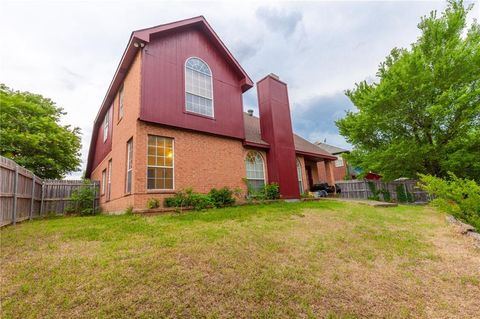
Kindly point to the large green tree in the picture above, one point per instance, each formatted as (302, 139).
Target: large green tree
(423, 113)
(30, 134)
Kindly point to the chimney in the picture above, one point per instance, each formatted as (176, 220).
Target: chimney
(250, 112)
(276, 129)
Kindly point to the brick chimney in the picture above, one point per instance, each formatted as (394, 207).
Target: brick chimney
(276, 129)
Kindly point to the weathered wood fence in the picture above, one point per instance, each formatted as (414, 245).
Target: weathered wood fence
(359, 189)
(26, 196)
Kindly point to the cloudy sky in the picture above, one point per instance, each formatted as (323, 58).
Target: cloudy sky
(68, 51)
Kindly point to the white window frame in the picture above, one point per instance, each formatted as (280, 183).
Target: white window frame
(300, 176)
(104, 180)
(106, 125)
(172, 167)
(339, 161)
(211, 85)
(121, 101)
(128, 182)
(263, 167)
(109, 180)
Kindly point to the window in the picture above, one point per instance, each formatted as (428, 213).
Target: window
(160, 163)
(104, 180)
(300, 176)
(128, 183)
(198, 87)
(106, 125)
(109, 180)
(339, 161)
(120, 103)
(255, 170)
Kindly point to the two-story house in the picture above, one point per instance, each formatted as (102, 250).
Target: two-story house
(173, 118)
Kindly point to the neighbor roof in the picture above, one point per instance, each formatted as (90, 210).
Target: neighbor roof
(330, 148)
(253, 136)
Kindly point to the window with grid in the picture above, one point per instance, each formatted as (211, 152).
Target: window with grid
(198, 87)
(339, 161)
(255, 170)
(120, 102)
(109, 180)
(160, 162)
(300, 177)
(128, 184)
(104, 180)
(106, 125)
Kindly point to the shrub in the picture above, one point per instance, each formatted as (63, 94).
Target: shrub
(386, 195)
(375, 192)
(222, 197)
(403, 195)
(153, 203)
(271, 191)
(456, 196)
(81, 200)
(129, 210)
(189, 198)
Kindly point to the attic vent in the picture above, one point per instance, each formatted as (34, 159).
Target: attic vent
(250, 112)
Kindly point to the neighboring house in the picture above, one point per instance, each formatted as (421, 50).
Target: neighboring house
(341, 168)
(173, 118)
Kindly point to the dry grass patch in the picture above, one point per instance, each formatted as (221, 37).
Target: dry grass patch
(317, 259)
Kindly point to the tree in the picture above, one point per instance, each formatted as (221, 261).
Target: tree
(30, 134)
(423, 114)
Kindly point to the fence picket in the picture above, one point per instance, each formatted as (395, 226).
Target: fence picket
(19, 202)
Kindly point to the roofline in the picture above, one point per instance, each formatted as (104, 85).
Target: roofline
(322, 156)
(129, 54)
(253, 144)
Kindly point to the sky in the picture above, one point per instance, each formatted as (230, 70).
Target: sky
(69, 50)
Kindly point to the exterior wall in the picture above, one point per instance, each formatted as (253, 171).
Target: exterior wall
(304, 174)
(201, 161)
(102, 148)
(123, 129)
(163, 86)
(274, 110)
(338, 172)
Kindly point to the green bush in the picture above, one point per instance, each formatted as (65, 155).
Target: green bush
(456, 196)
(81, 200)
(189, 198)
(222, 197)
(386, 195)
(271, 191)
(375, 192)
(403, 195)
(153, 203)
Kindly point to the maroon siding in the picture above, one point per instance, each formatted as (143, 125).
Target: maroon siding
(163, 84)
(276, 129)
(103, 148)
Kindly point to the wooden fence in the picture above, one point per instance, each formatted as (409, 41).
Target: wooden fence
(360, 189)
(26, 196)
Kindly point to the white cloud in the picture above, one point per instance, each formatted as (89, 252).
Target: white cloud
(68, 51)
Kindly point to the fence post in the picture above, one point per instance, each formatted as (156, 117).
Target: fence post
(15, 185)
(33, 198)
(42, 202)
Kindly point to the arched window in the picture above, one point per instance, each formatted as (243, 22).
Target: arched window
(255, 170)
(198, 87)
(300, 176)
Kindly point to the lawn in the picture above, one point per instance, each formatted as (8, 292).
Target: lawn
(321, 259)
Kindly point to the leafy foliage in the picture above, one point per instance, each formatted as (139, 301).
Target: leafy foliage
(267, 192)
(81, 200)
(189, 198)
(30, 134)
(153, 203)
(222, 197)
(457, 196)
(403, 195)
(423, 115)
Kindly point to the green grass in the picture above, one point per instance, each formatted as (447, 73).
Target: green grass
(322, 259)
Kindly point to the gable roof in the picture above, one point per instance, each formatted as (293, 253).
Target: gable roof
(135, 43)
(253, 137)
(330, 148)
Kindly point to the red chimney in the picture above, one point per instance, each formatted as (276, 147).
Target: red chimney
(276, 129)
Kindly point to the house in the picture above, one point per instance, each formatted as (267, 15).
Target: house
(341, 168)
(173, 118)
